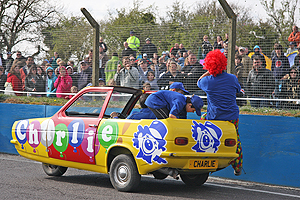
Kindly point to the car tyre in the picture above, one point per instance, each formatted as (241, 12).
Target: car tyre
(124, 174)
(194, 179)
(54, 170)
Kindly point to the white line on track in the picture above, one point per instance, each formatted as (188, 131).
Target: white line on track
(253, 190)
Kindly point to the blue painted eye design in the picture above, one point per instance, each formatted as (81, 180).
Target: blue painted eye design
(207, 137)
(150, 142)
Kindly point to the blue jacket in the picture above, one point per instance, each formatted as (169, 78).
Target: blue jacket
(50, 83)
(221, 96)
(173, 101)
(144, 113)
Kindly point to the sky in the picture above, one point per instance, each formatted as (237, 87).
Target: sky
(99, 9)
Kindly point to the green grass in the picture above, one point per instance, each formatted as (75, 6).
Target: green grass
(32, 100)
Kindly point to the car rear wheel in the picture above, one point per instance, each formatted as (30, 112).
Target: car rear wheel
(53, 170)
(194, 179)
(123, 173)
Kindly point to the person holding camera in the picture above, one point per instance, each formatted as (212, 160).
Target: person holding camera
(127, 75)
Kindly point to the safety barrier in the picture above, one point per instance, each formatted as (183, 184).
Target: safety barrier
(270, 143)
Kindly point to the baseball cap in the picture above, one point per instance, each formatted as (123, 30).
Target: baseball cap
(293, 43)
(131, 32)
(178, 85)
(197, 103)
(8, 52)
(242, 48)
(144, 55)
(148, 39)
(256, 47)
(83, 62)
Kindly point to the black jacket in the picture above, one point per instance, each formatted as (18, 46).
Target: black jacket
(190, 76)
(127, 52)
(260, 83)
(149, 49)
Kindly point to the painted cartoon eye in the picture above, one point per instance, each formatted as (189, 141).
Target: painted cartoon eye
(207, 140)
(149, 145)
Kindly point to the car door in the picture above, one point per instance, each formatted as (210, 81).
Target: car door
(75, 126)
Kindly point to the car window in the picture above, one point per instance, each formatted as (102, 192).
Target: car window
(87, 105)
(117, 102)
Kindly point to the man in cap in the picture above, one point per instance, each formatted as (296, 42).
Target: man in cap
(143, 70)
(145, 57)
(246, 60)
(257, 51)
(178, 87)
(149, 49)
(292, 48)
(169, 104)
(85, 75)
(133, 42)
(20, 59)
(101, 82)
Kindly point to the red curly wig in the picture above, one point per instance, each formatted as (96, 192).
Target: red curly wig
(215, 62)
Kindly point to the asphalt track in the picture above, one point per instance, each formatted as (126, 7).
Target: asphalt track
(21, 178)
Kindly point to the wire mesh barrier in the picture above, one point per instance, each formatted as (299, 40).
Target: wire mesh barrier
(153, 56)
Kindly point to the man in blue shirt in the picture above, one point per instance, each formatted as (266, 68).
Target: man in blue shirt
(172, 104)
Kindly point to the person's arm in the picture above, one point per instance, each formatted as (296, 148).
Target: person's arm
(137, 44)
(297, 38)
(114, 115)
(172, 116)
(204, 75)
(56, 83)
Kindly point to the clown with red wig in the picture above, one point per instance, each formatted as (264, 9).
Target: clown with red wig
(221, 89)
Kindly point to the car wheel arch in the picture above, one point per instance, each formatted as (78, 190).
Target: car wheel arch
(115, 151)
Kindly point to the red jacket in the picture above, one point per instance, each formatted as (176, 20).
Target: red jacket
(16, 83)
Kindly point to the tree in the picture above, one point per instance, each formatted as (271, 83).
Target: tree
(116, 28)
(71, 37)
(21, 20)
(282, 18)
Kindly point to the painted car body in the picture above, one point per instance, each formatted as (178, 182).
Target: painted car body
(81, 135)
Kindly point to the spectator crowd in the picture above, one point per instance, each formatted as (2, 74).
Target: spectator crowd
(260, 77)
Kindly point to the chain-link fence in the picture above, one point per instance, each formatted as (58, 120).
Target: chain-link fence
(266, 64)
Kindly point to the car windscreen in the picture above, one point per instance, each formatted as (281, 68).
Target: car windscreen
(87, 105)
